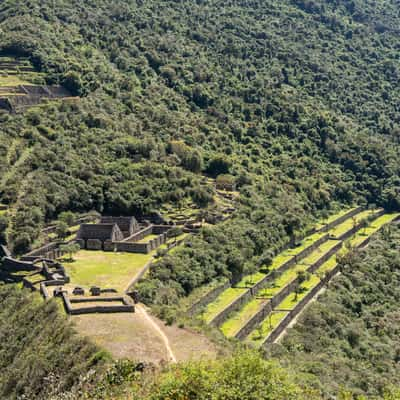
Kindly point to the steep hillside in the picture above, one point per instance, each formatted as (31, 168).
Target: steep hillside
(40, 355)
(296, 100)
(349, 338)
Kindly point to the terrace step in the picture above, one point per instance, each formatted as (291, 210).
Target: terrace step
(256, 312)
(235, 297)
(288, 309)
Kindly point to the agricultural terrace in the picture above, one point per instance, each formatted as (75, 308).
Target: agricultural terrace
(351, 222)
(232, 294)
(333, 218)
(258, 336)
(238, 320)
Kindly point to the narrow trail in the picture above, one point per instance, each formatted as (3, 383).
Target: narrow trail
(163, 336)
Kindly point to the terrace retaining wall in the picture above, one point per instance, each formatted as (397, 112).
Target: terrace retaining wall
(278, 298)
(341, 219)
(298, 308)
(273, 336)
(206, 299)
(12, 265)
(237, 303)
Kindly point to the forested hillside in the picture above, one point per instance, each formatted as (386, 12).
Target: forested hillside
(298, 100)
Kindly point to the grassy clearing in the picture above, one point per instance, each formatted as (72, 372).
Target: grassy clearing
(105, 269)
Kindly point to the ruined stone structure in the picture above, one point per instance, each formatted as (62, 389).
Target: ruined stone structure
(131, 244)
(18, 98)
(99, 236)
(127, 225)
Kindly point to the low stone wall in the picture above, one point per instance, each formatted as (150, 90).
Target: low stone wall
(341, 219)
(159, 229)
(125, 307)
(13, 265)
(145, 248)
(43, 287)
(129, 247)
(139, 235)
(206, 299)
(49, 250)
(277, 299)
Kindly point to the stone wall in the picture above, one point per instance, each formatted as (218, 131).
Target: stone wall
(233, 306)
(298, 308)
(341, 219)
(129, 247)
(278, 298)
(13, 265)
(94, 244)
(126, 305)
(207, 299)
(148, 230)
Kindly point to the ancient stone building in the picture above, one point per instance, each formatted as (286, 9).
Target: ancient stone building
(127, 225)
(99, 236)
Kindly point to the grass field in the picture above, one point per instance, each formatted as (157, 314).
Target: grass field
(105, 269)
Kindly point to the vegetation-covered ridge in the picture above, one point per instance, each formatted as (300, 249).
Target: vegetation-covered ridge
(296, 101)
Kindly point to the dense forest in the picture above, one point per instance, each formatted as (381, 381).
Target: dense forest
(298, 100)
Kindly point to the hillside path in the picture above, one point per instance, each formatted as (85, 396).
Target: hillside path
(141, 310)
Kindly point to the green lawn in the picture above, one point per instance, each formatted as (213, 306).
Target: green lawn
(105, 269)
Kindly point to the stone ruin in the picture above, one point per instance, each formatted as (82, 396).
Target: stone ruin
(123, 234)
(16, 99)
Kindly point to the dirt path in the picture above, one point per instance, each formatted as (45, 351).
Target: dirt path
(142, 311)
